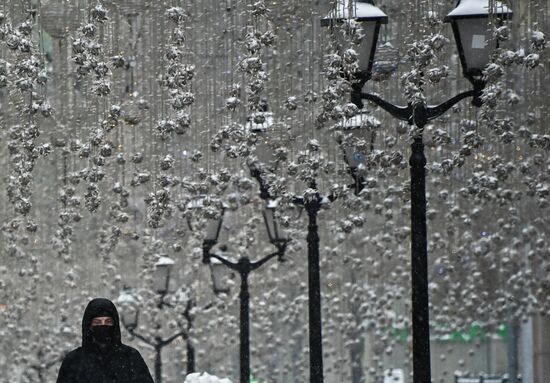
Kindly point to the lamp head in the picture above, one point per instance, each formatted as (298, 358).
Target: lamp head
(162, 274)
(370, 17)
(273, 230)
(219, 273)
(470, 22)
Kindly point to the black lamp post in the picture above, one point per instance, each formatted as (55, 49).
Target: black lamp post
(469, 20)
(371, 19)
(244, 267)
(312, 205)
(130, 317)
(354, 156)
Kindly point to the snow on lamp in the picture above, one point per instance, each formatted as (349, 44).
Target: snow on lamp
(470, 22)
(370, 17)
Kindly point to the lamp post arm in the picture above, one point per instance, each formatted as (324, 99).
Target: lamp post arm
(168, 304)
(436, 111)
(167, 341)
(231, 265)
(141, 337)
(400, 112)
(299, 201)
(258, 264)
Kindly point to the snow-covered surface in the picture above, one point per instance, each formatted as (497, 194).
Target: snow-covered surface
(477, 7)
(359, 11)
(394, 375)
(358, 121)
(196, 202)
(225, 255)
(215, 260)
(164, 261)
(204, 377)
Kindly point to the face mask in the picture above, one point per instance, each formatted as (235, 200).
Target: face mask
(103, 334)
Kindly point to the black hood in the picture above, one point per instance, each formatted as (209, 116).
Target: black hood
(99, 307)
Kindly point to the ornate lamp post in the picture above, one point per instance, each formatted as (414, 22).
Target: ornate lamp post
(130, 317)
(219, 261)
(312, 205)
(371, 18)
(469, 20)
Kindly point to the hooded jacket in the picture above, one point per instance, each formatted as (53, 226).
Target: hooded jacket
(92, 364)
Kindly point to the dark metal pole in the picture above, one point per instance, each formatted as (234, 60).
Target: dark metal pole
(190, 357)
(158, 363)
(513, 332)
(189, 345)
(419, 115)
(245, 328)
(314, 282)
(419, 265)
(244, 267)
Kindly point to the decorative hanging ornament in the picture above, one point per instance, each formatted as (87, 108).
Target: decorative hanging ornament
(133, 111)
(60, 18)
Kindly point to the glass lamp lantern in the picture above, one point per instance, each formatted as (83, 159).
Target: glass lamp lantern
(191, 208)
(371, 18)
(129, 310)
(261, 123)
(273, 230)
(470, 22)
(161, 279)
(213, 227)
(131, 317)
(354, 140)
(219, 273)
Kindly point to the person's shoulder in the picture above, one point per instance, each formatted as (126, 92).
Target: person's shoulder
(73, 355)
(128, 349)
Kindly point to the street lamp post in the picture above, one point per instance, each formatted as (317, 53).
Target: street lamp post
(130, 318)
(312, 204)
(244, 267)
(469, 21)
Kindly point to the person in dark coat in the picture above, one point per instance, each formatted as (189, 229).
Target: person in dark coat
(103, 358)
